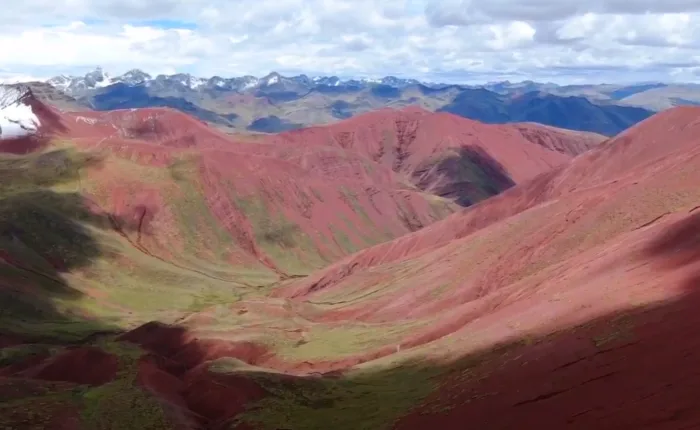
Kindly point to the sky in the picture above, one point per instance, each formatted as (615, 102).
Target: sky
(451, 41)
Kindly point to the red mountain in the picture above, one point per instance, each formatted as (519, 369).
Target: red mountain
(198, 235)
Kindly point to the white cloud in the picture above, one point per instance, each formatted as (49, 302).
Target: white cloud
(442, 40)
(14, 78)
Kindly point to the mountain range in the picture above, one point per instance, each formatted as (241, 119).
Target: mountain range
(98, 78)
(654, 95)
(275, 103)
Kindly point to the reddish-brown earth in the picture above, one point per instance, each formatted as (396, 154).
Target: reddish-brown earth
(565, 243)
(176, 371)
(355, 179)
(84, 365)
(609, 241)
(446, 154)
(558, 139)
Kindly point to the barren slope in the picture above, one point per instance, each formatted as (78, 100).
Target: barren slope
(562, 294)
(448, 155)
(169, 220)
(566, 302)
(666, 97)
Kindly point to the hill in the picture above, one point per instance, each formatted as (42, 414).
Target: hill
(444, 154)
(665, 97)
(560, 294)
(150, 218)
(575, 113)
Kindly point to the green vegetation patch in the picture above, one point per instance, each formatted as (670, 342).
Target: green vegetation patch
(121, 404)
(440, 207)
(350, 198)
(369, 400)
(282, 240)
(20, 353)
(118, 405)
(202, 231)
(343, 241)
(337, 342)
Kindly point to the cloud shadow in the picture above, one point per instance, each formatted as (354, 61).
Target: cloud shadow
(46, 232)
(467, 176)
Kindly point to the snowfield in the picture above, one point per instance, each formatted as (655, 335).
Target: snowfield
(16, 118)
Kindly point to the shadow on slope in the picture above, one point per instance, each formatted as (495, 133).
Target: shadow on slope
(634, 368)
(122, 96)
(631, 369)
(573, 113)
(46, 231)
(272, 124)
(467, 176)
(61, 367)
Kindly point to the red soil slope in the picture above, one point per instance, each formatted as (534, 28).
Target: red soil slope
(446, 154)
(622, 157)
(558, 139)
(567, 302)
(319, 205)
(585, 276)
(319, 193)
(287, 206)
(85, 366)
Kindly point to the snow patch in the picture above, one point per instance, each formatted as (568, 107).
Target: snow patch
(91, 121)
(17, 119)
(196, 83)
(250, 84)
(61, 82)
(105, 82)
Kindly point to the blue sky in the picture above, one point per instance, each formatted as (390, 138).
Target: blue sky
(441, 40)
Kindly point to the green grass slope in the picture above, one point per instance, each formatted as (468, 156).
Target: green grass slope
(92, 243)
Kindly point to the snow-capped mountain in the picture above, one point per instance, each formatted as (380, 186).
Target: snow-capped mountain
(331, 81)
(78, 86)
(134, 77)
(17, 119)
(393, 81)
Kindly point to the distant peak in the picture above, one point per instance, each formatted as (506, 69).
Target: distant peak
(138, 72)
(97, 72)
(271, 79)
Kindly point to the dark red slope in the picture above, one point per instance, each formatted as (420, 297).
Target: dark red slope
(289, 209)
(641, 151)
(448, 155)
(368, 178)
(342, 187)
(614, 343)
(558, 139)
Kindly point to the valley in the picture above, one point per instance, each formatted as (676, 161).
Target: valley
(398, 269)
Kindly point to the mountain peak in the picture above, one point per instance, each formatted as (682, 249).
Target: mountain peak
(136, 72)
(271, 79)
(134, 77)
